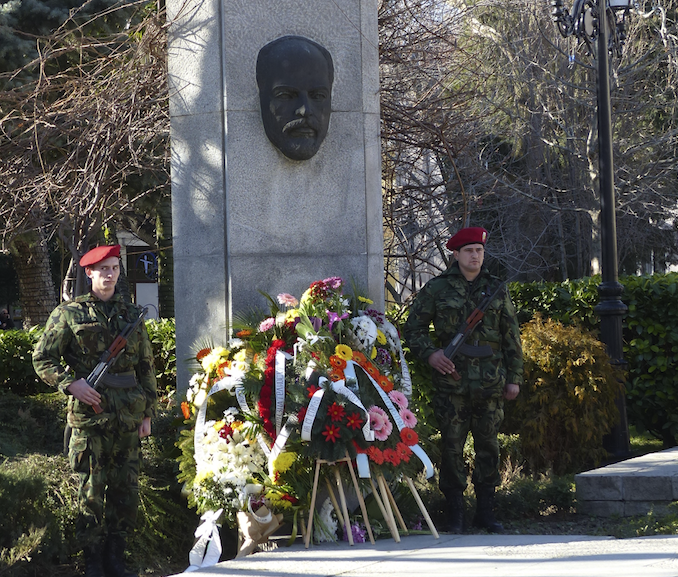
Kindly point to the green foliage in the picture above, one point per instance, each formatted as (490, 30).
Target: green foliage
(567, 302)
(31, 424)
(16, 366)
(567, 403)
(533, 496)
(651, 351)
(163, 339)
(38, 501)
(650, 339)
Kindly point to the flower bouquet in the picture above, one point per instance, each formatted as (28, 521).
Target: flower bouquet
(320, 377)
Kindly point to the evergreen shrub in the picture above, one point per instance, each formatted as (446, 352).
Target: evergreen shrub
(163, 339)
(651, 351)
(16, 365)
(650, 339)
(567, 403)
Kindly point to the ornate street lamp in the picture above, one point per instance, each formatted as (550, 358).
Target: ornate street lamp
(601, 25)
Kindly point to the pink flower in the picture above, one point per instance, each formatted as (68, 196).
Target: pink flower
(384, 433)
(408, 418)
(399, 399)
(377, 420)
(266, 324)
(287, 300)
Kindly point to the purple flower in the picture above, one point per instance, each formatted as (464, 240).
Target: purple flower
(333, 282)
(376, 316)
(317, 322)
(358, 533)
(334, 317)
(383, 357)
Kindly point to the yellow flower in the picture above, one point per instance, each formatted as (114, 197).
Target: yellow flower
(365, 300)
(276, 501)
(291, 315)
(373, 354)
(284, 461)
(219, 425)
(241, 355)
(381, 337)
(344, 351)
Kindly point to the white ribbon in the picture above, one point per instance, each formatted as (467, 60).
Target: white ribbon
(281, 440)
(281, 357)
(416, 449)
(207, 549)
(311, 412)
(406, 382)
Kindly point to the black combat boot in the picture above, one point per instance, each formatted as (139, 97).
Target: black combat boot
(455, 513)
(94, 566)
(484, 517)
(114, 558)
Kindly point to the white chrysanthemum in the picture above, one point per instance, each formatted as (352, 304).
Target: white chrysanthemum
(326, 527)
(230, 414)
(365, 331)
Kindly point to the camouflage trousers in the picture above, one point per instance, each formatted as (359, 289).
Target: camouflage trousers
(107, 463)
(458, 415)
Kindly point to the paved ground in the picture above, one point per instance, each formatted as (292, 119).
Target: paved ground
(465, 556)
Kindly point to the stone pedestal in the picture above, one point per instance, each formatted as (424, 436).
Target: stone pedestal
(245, 217)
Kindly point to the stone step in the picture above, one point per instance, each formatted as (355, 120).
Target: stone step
(632, 487)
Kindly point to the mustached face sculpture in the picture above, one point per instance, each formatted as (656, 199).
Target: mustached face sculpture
(295, 76)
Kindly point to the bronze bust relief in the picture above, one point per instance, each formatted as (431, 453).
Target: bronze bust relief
(295, 76)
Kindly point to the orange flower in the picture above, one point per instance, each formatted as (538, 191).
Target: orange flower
(359, 358)
(385, 383)
(375, 455)
(409, 437)
(221, 369)
(202, 353)
(371, 370)
(186, 410)
(336, 375)
(243, 333)
(337, 362)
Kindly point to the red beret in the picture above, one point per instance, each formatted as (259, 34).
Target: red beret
(98, 254)
(471, 235)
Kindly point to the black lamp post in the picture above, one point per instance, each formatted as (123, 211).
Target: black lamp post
(600, 24)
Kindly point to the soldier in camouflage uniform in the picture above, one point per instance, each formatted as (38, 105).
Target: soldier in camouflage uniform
(104, 448)
(491, 371)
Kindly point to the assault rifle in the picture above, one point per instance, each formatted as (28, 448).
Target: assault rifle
(111, 354)
(458, 343)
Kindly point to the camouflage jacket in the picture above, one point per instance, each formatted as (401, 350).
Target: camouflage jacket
(76, 334)
(447, 301)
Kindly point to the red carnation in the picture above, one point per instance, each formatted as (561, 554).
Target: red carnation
(301, 415)
(331, 433)
(353, 421)
(336, 412)
(312, 390)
